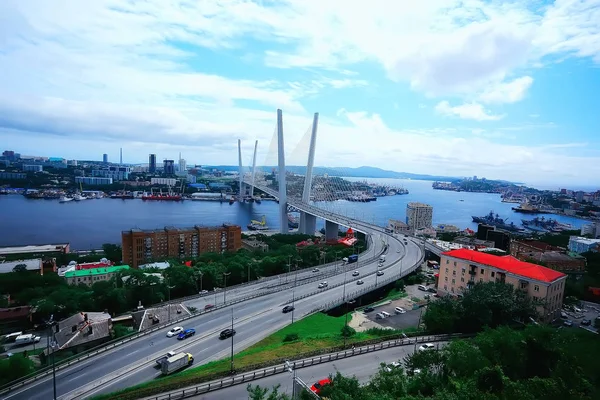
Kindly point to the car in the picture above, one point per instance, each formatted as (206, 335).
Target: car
(208, 307)
(399, 310)
(203, 292)
(392, 366)
(360, 282)
(175, 331)
(368, 309)
(379, 273)
(397, 251)
(227, 333)
(568, 323)
(355, 273)
(288, 309)
(323, 285)
(431, 290)
(423, 288)
(315, 270)
(564, 315)
(317, 386)
(427, 346)
(186, 334)
(585, 322)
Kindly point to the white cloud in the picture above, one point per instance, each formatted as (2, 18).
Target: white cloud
(509, 92)
(472, 111)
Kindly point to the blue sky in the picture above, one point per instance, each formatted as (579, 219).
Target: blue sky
(504, 90)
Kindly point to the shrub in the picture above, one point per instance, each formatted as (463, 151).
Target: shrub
(291, 337)
(347, 331)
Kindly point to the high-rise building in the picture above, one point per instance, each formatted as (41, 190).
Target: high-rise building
(105, 158)
(169, 167)
(182, 165)
(143, 246)
(419, 216)
(152, 163)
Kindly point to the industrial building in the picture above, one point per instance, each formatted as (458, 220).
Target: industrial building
(144, 246)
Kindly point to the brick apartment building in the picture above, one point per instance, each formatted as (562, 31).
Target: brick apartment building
(553, 257)
(143, 246)
(461, 268)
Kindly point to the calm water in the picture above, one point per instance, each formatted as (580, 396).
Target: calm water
(88, 224)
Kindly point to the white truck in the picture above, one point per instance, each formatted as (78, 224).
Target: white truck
(27, 339)
(176, 362)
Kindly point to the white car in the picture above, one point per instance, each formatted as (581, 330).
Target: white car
(175, 331)
(322, 285)
(391, 366)
(427, 346)
(399, 310)
(355, 273)
(316, 270)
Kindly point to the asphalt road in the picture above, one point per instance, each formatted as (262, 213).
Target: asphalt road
(253, 320)
(362, 367)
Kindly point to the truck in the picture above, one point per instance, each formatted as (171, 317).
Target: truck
(382, 259)
(160, 361)
(176, 362)
(27, 339)
(352, 259)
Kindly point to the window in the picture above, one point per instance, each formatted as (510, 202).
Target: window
(493, 274)
(523, 285)
(480, 279)
(447, 262)
(445, 287)
(446, 279)
(536, 288)
(482, 271)
(464, 270)
(455, 263)
(446, 269)
(453, 273)
(453, 281)
(462, 279)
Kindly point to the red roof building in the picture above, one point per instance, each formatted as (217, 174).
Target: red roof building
(463, 267)
(349, 239)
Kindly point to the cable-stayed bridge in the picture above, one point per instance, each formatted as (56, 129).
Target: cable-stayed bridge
(312, 196)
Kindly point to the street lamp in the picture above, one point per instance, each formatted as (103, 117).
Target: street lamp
(346, 323)
(51, 323)
(225, 275)
(232, 335)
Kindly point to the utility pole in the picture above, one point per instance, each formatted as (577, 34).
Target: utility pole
(225, 275)
(51, 345)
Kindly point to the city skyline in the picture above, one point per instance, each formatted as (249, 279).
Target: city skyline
(499, 90)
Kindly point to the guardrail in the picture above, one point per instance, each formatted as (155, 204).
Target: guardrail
(42, 373)
(303, 363)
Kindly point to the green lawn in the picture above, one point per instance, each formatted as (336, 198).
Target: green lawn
(318, 331)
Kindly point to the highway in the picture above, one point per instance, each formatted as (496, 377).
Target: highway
(363, 367)
(133, 362)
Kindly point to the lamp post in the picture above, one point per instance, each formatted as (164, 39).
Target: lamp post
(294, 290)
(346, 322)
(232, 335)
(293, 372)
(225, 275)
(52, 345)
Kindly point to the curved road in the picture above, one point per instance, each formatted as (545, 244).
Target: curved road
(133, 363)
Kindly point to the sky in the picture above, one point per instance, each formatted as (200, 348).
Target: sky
(503, 90)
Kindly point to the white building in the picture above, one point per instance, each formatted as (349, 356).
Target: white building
(419, 216)
(583, 245)
(163, 181)
(182, 165)
(33, 168)
(591, 229)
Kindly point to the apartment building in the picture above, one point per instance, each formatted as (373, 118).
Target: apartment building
(419, 216)
(462, 268)
(144, 246)
(551, 256)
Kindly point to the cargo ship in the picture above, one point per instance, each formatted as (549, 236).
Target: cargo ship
(495, 220)
(527, 208)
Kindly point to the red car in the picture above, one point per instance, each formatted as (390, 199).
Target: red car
(208, 307)
(316, 388)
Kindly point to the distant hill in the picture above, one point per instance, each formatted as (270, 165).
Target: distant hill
(359, 172)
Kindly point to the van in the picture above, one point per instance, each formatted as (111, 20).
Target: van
(27, 339)
(11, 337)
(385, 314)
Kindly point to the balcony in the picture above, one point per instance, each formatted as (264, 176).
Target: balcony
(472, 273)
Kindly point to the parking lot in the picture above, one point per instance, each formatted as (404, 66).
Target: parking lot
(589, 311)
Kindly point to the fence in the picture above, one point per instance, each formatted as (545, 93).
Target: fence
(307, 362)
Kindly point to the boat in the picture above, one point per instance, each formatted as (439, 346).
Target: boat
(170, 196)
(292, 221)
(65, 199)
(527, 208)
(495, 220)
(78, 197)
(261, 225)
(545, 225)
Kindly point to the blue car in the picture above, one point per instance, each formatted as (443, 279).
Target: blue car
(186, 334)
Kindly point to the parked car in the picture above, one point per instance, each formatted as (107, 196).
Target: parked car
(379, 273)
(315, 270)
(431, 290)
(317, 386)
(323, 285)
(355, 273)
(359, 282)
(568, 323)
(392, 366)
(208, 307)
(288, 309)
(186, 334)
(368, 309)
(427, 346)
(399, 310)
(586, 322)
(175, 331)
(423, 288)
(227, 333)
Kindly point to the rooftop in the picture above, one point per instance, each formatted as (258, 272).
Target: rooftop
(95, 271)
(72, 331)
(508, 264)
(583, 240)
(30, 265)
(46, 248)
